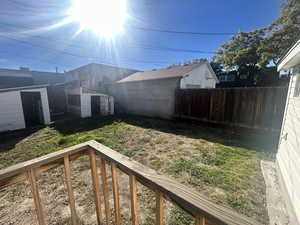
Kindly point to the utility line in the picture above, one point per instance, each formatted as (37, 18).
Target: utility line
(182, 32)
(76, 55)
(177, 32)
(153, 48)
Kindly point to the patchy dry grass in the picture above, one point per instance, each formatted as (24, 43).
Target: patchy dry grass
(223, 165)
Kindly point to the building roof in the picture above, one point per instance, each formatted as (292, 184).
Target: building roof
(99, 65)
(23, 88)
(172, 72)
(15, 73)
(291, 59)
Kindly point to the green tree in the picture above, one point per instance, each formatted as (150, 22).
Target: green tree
(217, 67)
(282, 34)
(240, 53)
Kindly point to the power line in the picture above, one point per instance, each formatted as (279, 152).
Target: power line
(183, 32)
(145, 47)
(73, 54)
(177, 32)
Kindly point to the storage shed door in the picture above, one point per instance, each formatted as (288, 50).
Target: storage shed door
(95, 105)
(32, 108)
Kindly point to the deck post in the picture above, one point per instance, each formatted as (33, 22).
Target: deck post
(133, 197)
(36, 197)
(70, 189)
(105, 191)
(160, 209)
(96, 185)
(116, 189)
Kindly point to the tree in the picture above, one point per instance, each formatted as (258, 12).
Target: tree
(217, 67)
(240, 53)
(282, 34)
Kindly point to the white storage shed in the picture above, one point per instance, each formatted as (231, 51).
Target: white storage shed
(84, 102)
(23, 107)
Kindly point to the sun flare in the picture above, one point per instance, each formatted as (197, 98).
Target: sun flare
(104, 17)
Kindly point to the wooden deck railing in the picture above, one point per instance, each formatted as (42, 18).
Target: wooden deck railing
(204, 211)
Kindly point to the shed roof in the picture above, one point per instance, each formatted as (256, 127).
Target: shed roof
(23, 88)
(172, 72)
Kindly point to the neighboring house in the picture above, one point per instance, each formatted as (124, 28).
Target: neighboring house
(23, 107)
(87, 89)
(40, 77)
(152, 93)
(15, 78)
(25, 77)
(97, 77)
(288, 155)
(200, 75)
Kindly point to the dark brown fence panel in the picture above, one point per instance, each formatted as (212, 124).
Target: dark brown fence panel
(254, 107)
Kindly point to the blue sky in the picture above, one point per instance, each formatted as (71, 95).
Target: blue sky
(27, 38)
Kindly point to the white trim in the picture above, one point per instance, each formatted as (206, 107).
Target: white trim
(290, 59)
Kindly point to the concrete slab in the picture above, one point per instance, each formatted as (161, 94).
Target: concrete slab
(277, 210)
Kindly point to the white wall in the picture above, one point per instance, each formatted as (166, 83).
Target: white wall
(198, 77)
(11, 111)
(288, 156)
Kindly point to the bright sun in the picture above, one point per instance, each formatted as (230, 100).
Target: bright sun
(104, 17)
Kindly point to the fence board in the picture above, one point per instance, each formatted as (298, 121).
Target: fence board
(255, 107)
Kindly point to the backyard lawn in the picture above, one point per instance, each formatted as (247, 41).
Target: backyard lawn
(223, 165)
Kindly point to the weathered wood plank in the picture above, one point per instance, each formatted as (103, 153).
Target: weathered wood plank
(187, 198)
(4, 182)
(13, 180)
(105, 189)
(96, 185)
(36, 197)
(70, 190)
(38, 162)
(254, 107)
(115, 183)
(160, 209)
(200, 220)
(133, 198)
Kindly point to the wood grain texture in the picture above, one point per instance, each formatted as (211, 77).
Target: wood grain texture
(96, 185)
(133, 199)
(70, 190)
(200, 220)
(40, 161)
(105, 189)
(160, 209)
(21, 176)
(257, 108)
(36, 197)
(116, 192)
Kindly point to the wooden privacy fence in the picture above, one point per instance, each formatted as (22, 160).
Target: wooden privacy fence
(204, 211)
(253, 107)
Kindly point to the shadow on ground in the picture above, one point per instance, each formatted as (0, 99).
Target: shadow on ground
(8, 140)
(261, 142)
